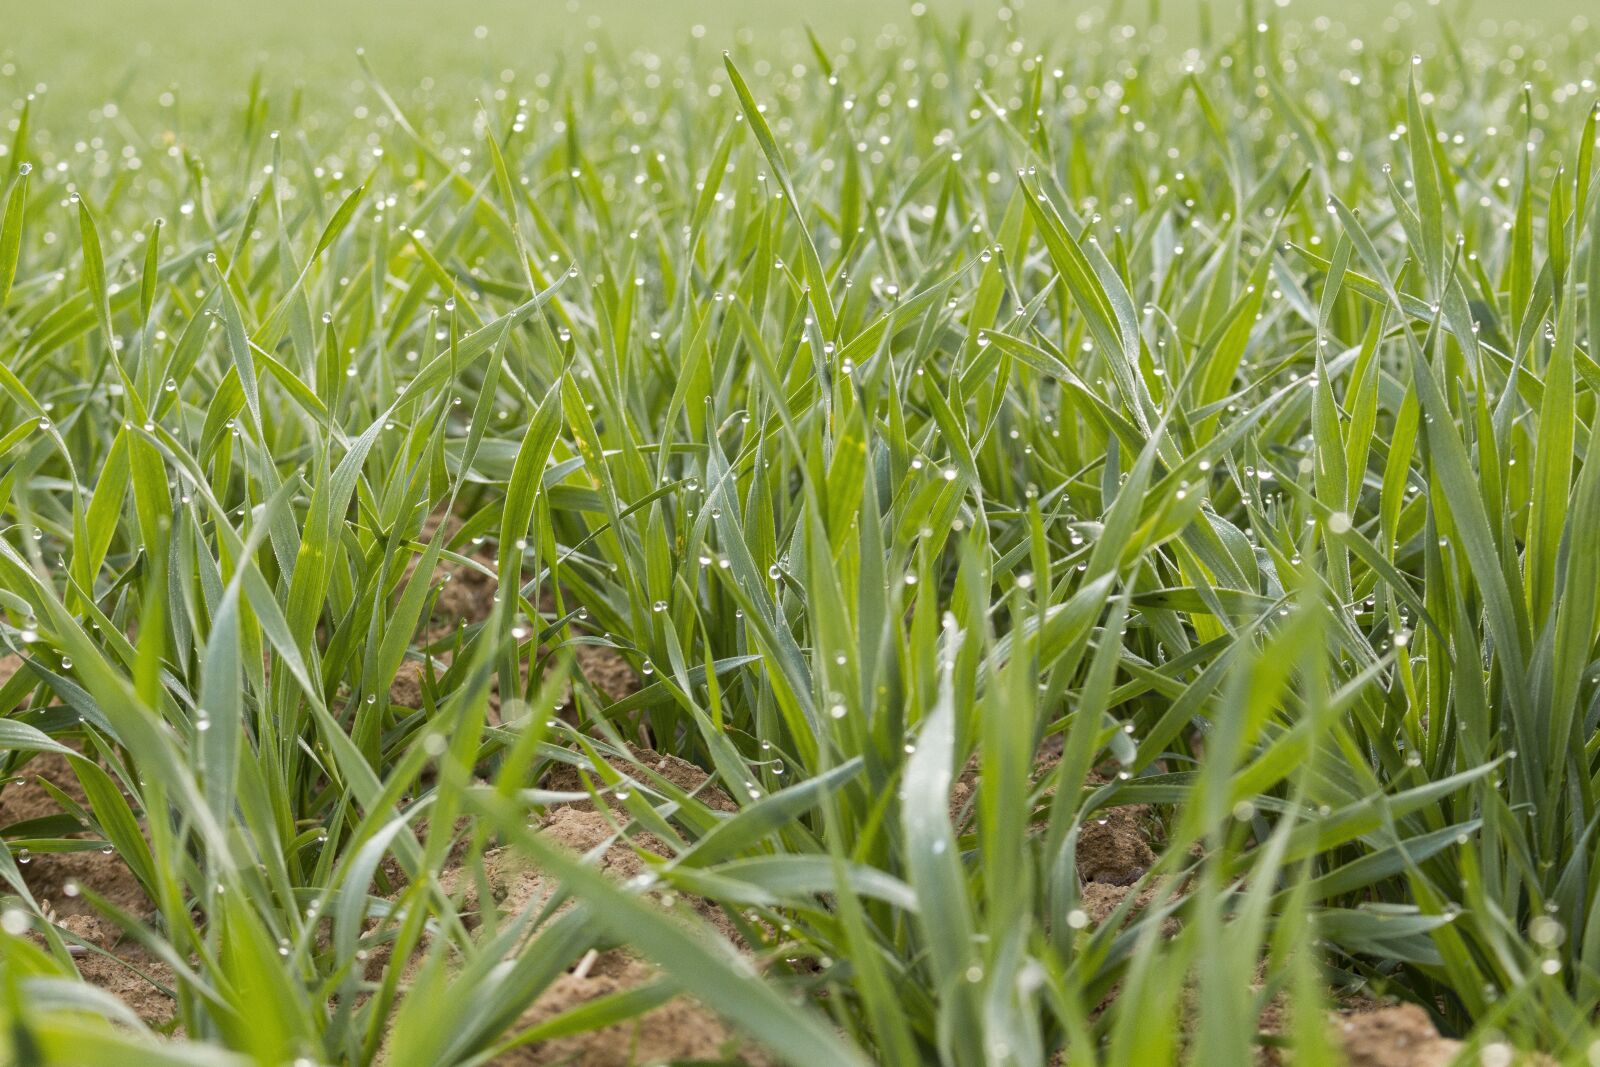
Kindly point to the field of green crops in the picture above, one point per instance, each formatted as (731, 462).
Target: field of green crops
(992, 539)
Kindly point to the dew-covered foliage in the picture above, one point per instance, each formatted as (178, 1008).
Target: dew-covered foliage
(1004, 543)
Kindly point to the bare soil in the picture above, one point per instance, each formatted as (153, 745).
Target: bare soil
(679, 1030)
(1112, 849)
(9, 665)
(466, 597)
(680, 772)
(113, 961)
(1397, 1036)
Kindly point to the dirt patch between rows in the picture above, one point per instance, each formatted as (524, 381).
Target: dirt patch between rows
(1113, 848)
(517, 883)
(123, 968)
(113, 962)
(605, 669)
(466, 597)
(48, 875)
(1398, 1036)
(680, 1029)
(567, 778)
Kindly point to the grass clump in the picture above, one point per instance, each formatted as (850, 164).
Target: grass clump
(992, 548)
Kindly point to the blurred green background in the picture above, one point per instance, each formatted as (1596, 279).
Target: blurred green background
(91, 51)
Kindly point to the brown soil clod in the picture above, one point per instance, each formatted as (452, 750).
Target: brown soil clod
(1112, 845)
(1099, 900)
(607, 670)
(679, 1030)
(406, 689)
(566, 778)
(1397, 1036)
(1112, 848)
(466, 594)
